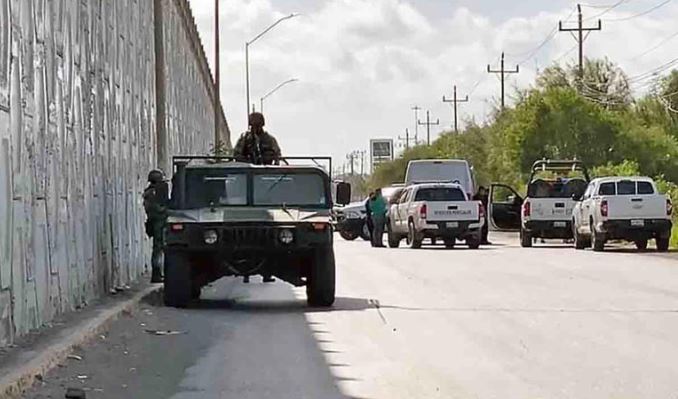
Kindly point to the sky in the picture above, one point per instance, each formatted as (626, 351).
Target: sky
(362, 65)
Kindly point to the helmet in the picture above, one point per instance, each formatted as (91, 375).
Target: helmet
(156, 176)
(256, 119)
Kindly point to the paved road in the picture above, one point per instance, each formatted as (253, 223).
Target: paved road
(501, 322)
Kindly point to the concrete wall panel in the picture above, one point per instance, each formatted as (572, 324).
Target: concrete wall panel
(79, 131)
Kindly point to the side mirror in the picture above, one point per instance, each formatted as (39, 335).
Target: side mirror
(343, 193)
(576, 197)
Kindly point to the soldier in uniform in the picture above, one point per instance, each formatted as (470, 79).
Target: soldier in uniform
(156, 201)
(482, 196)
(257, 146)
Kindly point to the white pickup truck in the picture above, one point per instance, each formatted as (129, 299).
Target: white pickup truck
(546, 212)
(435, 211)
(622, 208)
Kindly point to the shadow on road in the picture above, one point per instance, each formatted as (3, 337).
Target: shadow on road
(280, 306)
(271, 349)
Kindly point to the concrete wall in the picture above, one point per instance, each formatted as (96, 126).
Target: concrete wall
(81, 124)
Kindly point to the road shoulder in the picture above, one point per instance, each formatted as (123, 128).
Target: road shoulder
(34, 355)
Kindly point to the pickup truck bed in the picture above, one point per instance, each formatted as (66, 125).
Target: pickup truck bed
(436, 211)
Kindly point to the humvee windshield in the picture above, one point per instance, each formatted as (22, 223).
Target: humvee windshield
(219, 187)
(289, 189)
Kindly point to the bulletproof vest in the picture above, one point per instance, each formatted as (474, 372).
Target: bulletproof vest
(259, 149)
(156, 198)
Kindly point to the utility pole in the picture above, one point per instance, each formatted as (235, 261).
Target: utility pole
(416, 110)
(580, 29)
(406, 139)
(362, 162)
(217, 140)
(454, 102)
(502, 73)
(428, 125)
(351, 159)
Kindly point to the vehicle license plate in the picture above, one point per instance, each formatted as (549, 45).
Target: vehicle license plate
(452, 225)
(638, 223)
(559, 224)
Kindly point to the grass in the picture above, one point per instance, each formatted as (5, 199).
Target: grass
(674, 235)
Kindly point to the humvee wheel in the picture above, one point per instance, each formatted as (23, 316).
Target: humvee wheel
(178, 286)
(320, 285)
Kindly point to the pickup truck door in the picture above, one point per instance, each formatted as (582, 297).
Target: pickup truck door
(504, 205)
(584, 209)
(400, 224)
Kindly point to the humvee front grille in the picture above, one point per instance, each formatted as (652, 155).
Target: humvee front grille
(249, 236)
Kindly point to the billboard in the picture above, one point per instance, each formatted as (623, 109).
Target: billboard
(381, 150)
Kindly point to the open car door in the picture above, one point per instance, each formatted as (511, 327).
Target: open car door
(504, 205)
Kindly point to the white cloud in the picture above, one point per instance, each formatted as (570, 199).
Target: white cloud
(363, 63)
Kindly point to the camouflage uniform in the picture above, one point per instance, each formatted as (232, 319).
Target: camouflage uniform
(257, 148)
(156, 200)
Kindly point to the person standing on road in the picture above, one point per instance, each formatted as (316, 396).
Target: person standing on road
(156, 201)
(257, 146)
(483, 196)
(368, 214)
(378, 215)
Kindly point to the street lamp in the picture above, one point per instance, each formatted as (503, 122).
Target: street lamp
(270, 93)
(247, 54)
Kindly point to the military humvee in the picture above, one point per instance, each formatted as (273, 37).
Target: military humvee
(235, 219)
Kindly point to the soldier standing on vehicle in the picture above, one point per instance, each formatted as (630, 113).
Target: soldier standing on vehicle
(156, 201)
(257, 146)
(482, 196)
(378, 215)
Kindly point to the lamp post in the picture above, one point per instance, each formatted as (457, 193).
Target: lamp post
(247, 54)
(270, 93)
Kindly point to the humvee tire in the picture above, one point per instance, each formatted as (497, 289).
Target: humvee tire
(320, 285)
(178, 289)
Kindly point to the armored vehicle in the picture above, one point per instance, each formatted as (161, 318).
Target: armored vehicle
(236, 219)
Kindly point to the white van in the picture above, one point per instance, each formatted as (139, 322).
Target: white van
(456, 171)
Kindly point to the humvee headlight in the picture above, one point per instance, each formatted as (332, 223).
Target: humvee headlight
(211, 237)
(286, 236)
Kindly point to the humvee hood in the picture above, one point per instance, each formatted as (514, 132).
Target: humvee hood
(235, 215)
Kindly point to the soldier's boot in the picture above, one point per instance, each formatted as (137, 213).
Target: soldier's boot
(156, 275)
(246, 279)
(268, 279)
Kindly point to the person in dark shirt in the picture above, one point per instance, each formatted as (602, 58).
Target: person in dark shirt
(483, 196)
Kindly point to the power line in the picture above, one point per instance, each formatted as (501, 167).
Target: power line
(599, 6)
(654, 71)
(550, 36)
(658, 6)
(480, 80)
(608, 9)
(648, 51)
(565, 54)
